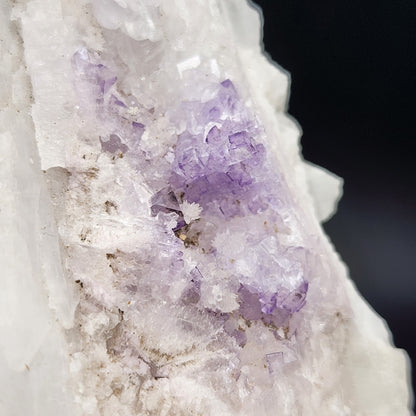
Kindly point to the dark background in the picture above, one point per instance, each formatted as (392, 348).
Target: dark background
(353, 67)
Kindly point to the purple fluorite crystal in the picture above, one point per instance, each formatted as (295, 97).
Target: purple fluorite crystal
(217, 167)
(219, 162)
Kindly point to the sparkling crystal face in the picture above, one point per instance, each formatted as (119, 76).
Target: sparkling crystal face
(218, 197)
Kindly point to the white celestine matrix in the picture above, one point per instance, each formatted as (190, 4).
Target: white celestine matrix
(161, 243)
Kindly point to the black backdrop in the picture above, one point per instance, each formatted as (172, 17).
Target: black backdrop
(353, 67)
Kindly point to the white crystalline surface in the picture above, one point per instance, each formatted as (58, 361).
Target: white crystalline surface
(161, 246)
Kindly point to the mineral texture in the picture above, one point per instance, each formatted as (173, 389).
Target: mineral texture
(161, 243)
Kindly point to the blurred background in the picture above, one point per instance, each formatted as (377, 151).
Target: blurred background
(353, 68)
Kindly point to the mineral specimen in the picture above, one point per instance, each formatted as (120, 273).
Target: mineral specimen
(161, 240)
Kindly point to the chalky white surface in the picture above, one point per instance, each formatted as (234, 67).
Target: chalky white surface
(59, 345)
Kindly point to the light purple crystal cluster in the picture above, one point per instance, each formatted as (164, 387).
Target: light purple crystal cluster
(97, 80)
(217, 167)
(217, 163)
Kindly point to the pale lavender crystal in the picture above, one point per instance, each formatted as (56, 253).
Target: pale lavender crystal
(97, 74)
(274, 361)
(113, 145)
(165, 201)
(277, 360)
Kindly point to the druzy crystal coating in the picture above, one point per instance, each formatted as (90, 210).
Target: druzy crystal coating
(219, 162)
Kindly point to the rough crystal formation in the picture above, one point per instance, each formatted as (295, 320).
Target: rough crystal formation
(184, 270)
(220, 164)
